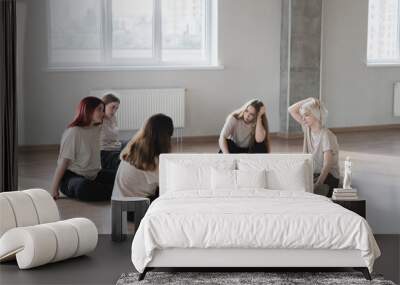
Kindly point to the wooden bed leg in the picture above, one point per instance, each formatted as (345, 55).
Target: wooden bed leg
(143, 274)
(365, 272)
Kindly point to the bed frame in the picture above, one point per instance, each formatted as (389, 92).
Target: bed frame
(241, 259)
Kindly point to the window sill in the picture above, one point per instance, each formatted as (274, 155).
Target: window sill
(136, 68)
(397, 64)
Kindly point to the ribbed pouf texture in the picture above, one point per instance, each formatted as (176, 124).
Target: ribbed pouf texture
(31, 231)
(269, 278)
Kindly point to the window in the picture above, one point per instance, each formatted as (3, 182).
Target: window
(383, 32)
(114, 33)
(75, 33)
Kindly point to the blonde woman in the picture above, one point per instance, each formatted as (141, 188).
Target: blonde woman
(246, 130)
(319, 141)
(137, 174)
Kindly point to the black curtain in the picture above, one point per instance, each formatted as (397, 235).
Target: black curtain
(8, 97)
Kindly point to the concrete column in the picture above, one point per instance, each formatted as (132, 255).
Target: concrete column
(300, 57)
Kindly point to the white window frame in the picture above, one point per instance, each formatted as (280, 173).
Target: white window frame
(383, 63)
(154, 63)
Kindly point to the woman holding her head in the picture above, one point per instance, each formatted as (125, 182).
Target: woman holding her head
(246, 130)
(78, 173)
(110, 144)
(137, 174)
(319, 141)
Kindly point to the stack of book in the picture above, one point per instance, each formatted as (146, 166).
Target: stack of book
(345, 194)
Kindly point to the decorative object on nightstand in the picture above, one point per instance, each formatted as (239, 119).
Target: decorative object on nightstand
(347, 192)
(357, 206)
(347, 173)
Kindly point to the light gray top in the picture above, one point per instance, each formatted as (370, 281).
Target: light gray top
(109, 135)
(237, 131)
(317, 144)
(133, 182)
(82, 146)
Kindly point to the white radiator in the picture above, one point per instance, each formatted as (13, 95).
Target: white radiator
(396, 102)
(139, 104)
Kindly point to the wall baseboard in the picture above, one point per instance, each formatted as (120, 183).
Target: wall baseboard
(292, 136)
(38, 147)
(339, 130)
(200, 139)
(365, 128)
(214, 138)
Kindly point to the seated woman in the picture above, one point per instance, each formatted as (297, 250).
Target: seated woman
(137, 174)
(319, 141)
(246, 130)
(78, 173)
(110, 144)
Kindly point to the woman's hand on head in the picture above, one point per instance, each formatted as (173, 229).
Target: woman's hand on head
(262, 111)
(314, 101)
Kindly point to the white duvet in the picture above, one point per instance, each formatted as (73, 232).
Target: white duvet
(253, 218)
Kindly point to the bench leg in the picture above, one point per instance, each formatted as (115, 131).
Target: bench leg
(117, 219)
(140, 211)
(364, 271)
(124, 224)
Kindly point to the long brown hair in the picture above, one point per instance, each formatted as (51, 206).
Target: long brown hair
(239, 114)
(110, 98)
(84, 112)
(150, 141)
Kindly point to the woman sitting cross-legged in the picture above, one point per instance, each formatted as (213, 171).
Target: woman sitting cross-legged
(319, 141)
(246, 130)
(137, 174)
(78, 173)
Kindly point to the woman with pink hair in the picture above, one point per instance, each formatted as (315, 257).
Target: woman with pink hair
(78, 173)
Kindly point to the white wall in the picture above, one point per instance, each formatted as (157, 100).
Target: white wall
(356, 95)
(249, 43)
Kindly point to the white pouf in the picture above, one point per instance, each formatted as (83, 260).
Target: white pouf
(31, 232)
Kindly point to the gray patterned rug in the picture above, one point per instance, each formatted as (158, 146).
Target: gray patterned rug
(269, 278)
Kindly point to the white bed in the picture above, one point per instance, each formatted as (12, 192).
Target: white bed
(223, 217)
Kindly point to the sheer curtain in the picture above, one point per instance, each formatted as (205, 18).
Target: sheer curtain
(8, 97)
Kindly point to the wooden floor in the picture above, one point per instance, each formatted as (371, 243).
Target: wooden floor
(110, 259)
(36, 168)
(376, 152)
(102, 266)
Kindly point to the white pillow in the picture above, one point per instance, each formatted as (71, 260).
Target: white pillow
(223, 179)
(236, 179)
(189, 174)
(183, 178)
(251, 178)
(282, 174)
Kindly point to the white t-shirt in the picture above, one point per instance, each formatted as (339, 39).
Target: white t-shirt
(317, 144)
(82, 146)
(237, 131)
(133, 182)
(109, 135)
